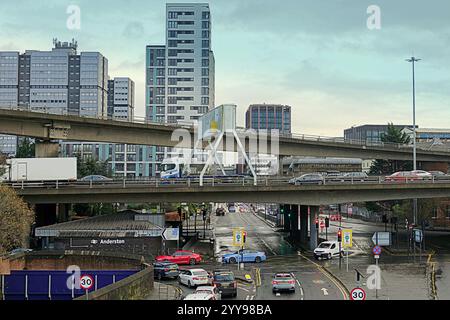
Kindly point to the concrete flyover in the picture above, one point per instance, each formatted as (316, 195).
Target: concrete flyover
(66, 127)
(282, 193)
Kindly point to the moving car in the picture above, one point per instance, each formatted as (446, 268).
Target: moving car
(309, 178)
(165, 270)
(95, 177)
(327, 249)
(193, 277)
(181, 257)
(200, 296)
(283, 282)
(355, 176)
(404, 176)
(437, 173)
(244, 256)
(220, 212)
(212, 290)
(226, 283)
(20, 250)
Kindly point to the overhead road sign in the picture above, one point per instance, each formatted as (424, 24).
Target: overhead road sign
(171, 234)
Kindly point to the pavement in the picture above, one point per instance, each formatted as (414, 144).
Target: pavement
(164, 291)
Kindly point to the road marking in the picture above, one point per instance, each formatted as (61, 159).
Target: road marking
(336, 283)
(251, 298)
(243, 289)
(247, 297)
(324, 291)
(299, 285)
(278, 294)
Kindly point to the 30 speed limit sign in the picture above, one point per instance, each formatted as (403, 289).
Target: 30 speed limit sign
(86, 282)
(358, 294)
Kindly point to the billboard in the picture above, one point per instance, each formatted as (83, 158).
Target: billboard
(217, 120)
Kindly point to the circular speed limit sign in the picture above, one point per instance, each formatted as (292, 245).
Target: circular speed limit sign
(358, 294)
(86, 282)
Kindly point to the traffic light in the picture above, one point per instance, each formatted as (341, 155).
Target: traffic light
(204, 212)
(339, 235)
(385, 218)
(317, 223)
(281, 209)
(327, 222)
(244, 236)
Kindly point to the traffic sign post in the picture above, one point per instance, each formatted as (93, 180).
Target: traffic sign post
(376, 254)
(358, 294)
(86, 283)
(239, 237)
(347, 241)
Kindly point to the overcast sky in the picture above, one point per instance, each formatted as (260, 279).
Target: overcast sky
(317, 56)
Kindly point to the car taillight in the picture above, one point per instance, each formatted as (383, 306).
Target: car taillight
(291, 281)
(166, 269)
(274, 282)
(235, 284)
(195, 278)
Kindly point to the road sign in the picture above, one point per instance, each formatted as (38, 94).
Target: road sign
(418, 235)
(86, 282)
(347, 238)
(171, 234)
(377, 256)
(376, 250)
(382, 238)
(322, 224)
(238, 237)
(358, 294)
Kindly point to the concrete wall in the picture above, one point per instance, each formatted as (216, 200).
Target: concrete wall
(137, 286)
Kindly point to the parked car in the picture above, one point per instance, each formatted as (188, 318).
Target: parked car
(309, 178)
(283, 282)
(209, 290)
(193, 277)
(181, 257)
(220, 212)
(327, 249)
(165, 270)
(95, 177)
(225, 281)
(200, 296)
(244, 256)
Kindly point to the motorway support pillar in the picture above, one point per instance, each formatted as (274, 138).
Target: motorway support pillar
(46, 149)
(295, 228)
(304, 224)
(287, 221)
(62, 212)
(314, 213)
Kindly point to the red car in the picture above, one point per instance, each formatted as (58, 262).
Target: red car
(404, 176)
(181, 257)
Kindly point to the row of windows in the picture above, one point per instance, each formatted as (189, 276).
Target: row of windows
(175, 52)
(174, 43)
(175, 33)
(175, 100)
(175, 14)
(173, 62)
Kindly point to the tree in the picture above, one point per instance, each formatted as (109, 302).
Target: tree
(90, 166)
(381, 166)
(2, 164)
(26, 148)
(15, 220)
(87, 167)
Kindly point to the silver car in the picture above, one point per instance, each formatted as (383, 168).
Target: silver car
(309, 178)
(283, 282)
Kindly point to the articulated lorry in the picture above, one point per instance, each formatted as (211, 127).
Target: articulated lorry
(40, 169)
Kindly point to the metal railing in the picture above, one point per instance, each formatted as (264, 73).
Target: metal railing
(218, 182)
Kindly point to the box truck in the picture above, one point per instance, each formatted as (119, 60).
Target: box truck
(40, 169)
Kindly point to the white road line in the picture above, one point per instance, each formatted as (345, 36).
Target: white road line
(247, 297)
(251, 298)
(243, 289)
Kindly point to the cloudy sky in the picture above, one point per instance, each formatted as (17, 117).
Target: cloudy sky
(317, 56)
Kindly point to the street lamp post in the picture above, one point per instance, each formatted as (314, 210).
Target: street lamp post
(413, 60)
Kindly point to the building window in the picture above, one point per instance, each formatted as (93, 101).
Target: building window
(205, 24)
(205, 15)
(205, 34)
(205, 62)
(205, 43)
(205, 53)
(172, 24)
(205, 72)
(205, 81)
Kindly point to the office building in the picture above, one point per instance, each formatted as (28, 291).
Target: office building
(180, 73)
(121, 99)
(369, 133)
(269, 117)
(59, 81)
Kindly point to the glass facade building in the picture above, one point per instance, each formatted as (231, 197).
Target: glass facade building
(268, 117)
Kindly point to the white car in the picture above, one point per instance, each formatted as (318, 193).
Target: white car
(193, 277)
(200, 296)
(209, 290)
(327, 249)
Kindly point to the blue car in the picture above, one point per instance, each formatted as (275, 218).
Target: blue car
(244, 256)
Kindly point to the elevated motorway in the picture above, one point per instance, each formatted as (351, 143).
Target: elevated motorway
(268, 191)
(65, 127)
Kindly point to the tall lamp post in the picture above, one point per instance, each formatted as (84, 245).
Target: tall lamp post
(413, 60)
